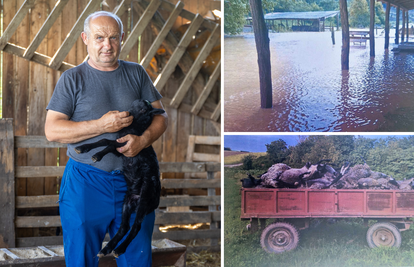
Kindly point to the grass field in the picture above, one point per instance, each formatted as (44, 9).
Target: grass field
(234, 157)
(339, 244)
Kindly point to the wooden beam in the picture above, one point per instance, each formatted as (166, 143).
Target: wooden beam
(188, 234)
(217, 112)
(35, 141)
(23, 202)
(162, 34)
(45, 29)
(207, 140)
(37, 58)
(55, 171)
(397, 26)
(172, 201)
(195, 68)
(7, 187)
(70, 40)
(207, 89)
(190, 183)
(14, 24)
(403, 26)
(139, 28)
(178, 52)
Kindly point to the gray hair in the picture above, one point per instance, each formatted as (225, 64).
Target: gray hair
(96, 14)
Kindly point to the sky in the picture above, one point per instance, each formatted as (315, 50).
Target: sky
(257, 143)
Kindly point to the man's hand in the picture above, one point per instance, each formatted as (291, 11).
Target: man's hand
(113, 121)
(134, 144)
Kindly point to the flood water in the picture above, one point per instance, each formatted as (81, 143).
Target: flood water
(310, 91)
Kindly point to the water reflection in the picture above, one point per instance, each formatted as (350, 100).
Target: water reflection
(311, 92)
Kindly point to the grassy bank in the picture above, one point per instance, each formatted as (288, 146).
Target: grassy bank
(233, 157)
(323, 244)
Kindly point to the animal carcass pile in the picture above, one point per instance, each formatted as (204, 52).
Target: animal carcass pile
(322, 176)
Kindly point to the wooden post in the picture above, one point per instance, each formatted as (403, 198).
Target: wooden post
(337, 22)
(7, 195)
(387, 26)
(403, 27)
(408, 28)
(345, 35)
(261, 36)
(371, 28)
(397, 26)
(212, 192)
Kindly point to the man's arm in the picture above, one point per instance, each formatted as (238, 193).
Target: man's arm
(136, 143)
(58, 127)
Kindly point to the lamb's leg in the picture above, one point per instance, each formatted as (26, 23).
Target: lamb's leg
(109, 149)
(88, 147)
(122, 231)
(142, 211)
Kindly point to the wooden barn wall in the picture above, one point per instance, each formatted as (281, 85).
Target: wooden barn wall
(28, 86)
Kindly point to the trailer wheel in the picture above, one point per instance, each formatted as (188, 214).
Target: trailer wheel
(279, 237)
(383, 235)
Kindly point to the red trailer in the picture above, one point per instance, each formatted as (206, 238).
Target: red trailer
(391, 208)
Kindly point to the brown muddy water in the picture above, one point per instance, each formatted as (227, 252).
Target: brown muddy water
(310, 91)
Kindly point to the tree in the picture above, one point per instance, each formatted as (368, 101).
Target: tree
(359, 14)
(379, 13)
(235, 12)
(248, 162)
(277, 151)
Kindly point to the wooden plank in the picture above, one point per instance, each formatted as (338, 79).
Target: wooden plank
(139, 28)
(37, 221)
(25, 242)
(9, 253)
(7, 196)
(54, 171)
(188, 234)
(172, 201)
(178, 52)
(34, 141)
(195, 68)
(38, 58)
(190, 183)
(134, 54)
(44, 29)
(160, 218)
(208, 140)
(170, 139)
(206, 157)
(217, 112)
(162, 34)
(70, 40)
(23, 202)
(207, 89)
(14, 24)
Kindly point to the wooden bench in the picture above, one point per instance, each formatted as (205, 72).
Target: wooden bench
(359, 36)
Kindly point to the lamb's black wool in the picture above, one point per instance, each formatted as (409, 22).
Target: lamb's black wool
(141, 173)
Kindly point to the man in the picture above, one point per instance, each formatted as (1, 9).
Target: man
(89, 104)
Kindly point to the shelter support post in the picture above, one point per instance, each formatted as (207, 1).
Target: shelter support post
(371, 28)
(345, 35)
(408, 27)
(403, 26)
(397, 26)
(387, 26)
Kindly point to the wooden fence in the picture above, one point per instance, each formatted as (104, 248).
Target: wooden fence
(10, 220)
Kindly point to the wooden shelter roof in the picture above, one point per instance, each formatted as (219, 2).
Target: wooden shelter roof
(300, 15)
(404, 4)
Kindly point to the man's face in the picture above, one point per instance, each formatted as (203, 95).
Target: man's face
(103, 43)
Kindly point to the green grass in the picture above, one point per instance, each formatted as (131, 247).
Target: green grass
(339, 244)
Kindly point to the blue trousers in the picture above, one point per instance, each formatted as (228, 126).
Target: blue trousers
(90, 204)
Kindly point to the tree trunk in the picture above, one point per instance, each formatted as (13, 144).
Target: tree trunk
(345, 35)
(397, 26)
(371, 28)
(261, 36)
(387, 26)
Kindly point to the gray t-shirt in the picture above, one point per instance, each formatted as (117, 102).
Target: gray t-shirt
(84, 93)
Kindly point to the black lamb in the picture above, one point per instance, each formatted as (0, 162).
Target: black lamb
(141, 173)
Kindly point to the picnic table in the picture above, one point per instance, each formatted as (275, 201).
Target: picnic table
(359, 36)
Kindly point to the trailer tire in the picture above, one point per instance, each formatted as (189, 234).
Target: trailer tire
(279, 237)
(383, 235)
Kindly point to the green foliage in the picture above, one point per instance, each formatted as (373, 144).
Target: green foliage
(359, 14)
(248, 162)
(235, 12)
(379, 13)
(277, 151)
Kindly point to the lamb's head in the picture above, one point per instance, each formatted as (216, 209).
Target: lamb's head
(143, 112)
